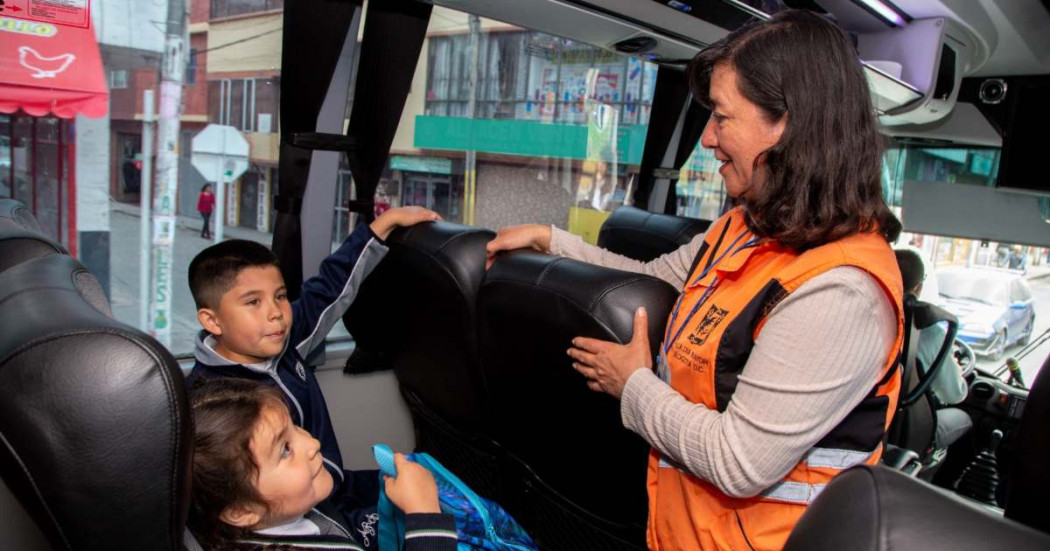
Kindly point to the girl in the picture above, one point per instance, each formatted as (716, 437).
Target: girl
(259, 481)
(205, 204)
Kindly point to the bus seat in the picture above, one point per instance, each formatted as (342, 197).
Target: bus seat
(15, 214)
(1029, 476)
(578, 474)
(20, 236)
(914, 427)
(878, 509)
(62, 271)
(644, 235)
(94, 418)
(418, 310)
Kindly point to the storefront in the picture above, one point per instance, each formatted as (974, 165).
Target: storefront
(49, 74)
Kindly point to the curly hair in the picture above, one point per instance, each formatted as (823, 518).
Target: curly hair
(821, 180)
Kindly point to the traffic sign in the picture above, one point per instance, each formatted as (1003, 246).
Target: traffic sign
(220, 153)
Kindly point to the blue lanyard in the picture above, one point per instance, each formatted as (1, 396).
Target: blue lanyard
(714, 283)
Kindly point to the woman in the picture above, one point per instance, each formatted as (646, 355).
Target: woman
(205, 204)
(778, 366)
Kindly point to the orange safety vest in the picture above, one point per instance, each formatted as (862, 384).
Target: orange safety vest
(736, 283)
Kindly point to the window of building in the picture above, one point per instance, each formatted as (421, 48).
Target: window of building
(231, 8)
(247, 104)
(118, 79)
(6, 169)
(191, 67)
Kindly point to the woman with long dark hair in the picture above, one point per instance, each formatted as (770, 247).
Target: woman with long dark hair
(778, 368)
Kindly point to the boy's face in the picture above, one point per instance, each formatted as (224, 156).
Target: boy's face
(292, 477)
(253, 317)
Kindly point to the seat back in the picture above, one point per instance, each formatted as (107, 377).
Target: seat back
(20, 236)
(417, 309)
(915, 424)
(94, 418)
(577, 476)
(1029, 477)
(878, 509)
(644, 235)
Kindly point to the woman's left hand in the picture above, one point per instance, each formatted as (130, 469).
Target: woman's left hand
(608, 365)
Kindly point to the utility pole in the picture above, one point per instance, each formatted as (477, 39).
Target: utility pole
(470, 175)
(173, 71)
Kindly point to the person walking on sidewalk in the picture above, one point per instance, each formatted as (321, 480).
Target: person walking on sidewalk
(205, 205)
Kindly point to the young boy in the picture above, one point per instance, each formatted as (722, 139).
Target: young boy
(251, 329)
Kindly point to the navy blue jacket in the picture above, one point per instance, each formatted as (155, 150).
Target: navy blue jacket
(323, 301)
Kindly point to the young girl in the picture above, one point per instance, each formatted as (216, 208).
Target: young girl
(259, 482)
(205, 204)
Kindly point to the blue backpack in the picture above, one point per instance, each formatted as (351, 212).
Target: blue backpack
(480, 523)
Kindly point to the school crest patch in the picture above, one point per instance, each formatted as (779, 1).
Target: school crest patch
(712, 318)
(300, 371)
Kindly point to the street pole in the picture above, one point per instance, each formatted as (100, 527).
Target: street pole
(470, 172)
(220, 194)
(173, 70)
(145, 193)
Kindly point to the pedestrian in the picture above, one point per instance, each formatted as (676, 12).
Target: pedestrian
(205, 204)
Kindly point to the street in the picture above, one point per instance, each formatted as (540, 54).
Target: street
(1031, 363)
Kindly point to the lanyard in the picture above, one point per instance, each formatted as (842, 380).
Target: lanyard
(714, 283)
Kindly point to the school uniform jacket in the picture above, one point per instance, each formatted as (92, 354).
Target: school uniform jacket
(323, 301)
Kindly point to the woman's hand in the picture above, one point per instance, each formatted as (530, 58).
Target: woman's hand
(414, 489)
(404, 216)
(608, 365)
(536, 236)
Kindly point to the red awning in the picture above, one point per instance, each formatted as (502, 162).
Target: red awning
(47, 68)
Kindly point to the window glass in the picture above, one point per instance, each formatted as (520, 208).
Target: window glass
(977, 280)
(700, 189)
(557, 128)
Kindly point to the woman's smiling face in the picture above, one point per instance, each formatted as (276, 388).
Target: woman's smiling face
(738, 132)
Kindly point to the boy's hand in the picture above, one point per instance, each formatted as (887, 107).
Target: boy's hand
(414, 489)
(403, 216)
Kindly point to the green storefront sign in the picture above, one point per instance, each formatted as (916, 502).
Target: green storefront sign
(433, 165)
(529, 138)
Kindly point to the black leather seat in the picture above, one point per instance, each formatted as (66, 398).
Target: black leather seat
(417, 309)
(20, 236)
(879, 509)
(576, 478)
(1029, 475)
(644, 235)
(94, 419)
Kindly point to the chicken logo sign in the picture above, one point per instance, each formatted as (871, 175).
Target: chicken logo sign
(43, 67)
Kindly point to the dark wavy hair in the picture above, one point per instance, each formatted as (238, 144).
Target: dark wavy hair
(822, 179)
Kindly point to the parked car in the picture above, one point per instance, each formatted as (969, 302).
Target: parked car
(995, 307)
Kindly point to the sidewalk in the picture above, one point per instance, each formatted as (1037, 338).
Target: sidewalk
(1037, 272)
(194, 223)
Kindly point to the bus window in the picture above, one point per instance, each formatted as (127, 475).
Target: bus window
(555, 130)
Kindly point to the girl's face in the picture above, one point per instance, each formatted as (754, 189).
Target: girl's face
(292, 477)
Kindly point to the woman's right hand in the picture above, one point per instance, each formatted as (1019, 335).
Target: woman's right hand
(535, 236)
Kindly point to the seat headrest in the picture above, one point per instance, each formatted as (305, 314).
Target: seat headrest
(14, 214)
(58, 272)
(18, 244)
(452, 245)
(605, 294)
(94, 418)
(878, 509)
(644, 235)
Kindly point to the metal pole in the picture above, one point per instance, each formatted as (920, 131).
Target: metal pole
(145, 203)
(173, 71)
(220, 193)
(470, 172)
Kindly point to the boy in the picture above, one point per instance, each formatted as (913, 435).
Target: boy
(251, 329)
